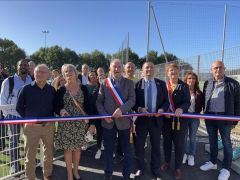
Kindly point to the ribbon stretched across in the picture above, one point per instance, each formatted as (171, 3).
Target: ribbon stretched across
(77, 118)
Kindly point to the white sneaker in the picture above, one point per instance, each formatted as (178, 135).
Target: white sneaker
(185, 157)
(102, 147)
(84, 148)
(191, 160)
(98, 154)
(145, 146)
(224, 174)
(208, 166)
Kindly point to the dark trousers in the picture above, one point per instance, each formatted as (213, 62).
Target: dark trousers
(3, 130)
(225, 130)
(3, 134)
(99, 133)
(177, 138)
(109, 137)
(154, 130)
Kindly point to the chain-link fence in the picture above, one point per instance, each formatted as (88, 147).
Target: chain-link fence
(12, 154)
(201, 65)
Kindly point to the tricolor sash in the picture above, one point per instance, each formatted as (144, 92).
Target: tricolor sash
(170, 91)
(116, 94)
(172, 106)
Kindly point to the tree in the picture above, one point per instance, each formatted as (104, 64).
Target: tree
(98, 59)
(133, 57)
(10, 54)
(56, 57)
(39, 56)
(170, 57)
(152, 56)
(71, 57)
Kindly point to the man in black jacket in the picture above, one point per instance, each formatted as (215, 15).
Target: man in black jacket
(221, 97)
(151, 96)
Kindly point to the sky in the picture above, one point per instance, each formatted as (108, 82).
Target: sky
(188, 28)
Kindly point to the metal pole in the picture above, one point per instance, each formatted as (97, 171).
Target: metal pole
(148, 29)
(224, 31)
(122, 52)
(159, 34)
(45, 41)
(127, 54)
(198, 64)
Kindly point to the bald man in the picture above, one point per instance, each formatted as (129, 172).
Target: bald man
(129, 70)
(116, 104)
(38, 99)
(221, 97)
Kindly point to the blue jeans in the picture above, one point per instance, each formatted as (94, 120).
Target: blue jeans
(225, 131)
(191, 143)
(109, 137)
(14, 135)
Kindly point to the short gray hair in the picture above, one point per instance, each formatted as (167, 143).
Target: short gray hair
(41, 66)
(116, 60)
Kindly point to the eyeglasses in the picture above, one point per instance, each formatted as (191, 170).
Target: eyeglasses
(217, 67)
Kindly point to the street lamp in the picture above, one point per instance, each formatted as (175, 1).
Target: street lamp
(45, 32)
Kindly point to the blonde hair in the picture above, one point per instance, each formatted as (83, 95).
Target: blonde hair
(72, 67)
(172, 65)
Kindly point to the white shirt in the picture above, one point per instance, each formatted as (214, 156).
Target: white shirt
(154, 94)
(193, 102)
(5, 99)
(84, 79)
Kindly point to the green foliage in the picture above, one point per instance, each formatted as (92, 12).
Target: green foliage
(10, 54)
(56, 56)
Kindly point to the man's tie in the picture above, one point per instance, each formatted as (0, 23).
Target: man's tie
(149, 96)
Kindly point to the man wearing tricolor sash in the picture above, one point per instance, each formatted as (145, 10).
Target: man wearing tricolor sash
(116, 97)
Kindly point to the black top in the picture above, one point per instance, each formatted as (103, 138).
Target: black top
(181, 96)
(92, 98)
(36, 102)
(60, 94)
(2, 77)
(231, 97)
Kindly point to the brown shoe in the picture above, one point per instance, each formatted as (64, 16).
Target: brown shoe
(48, 178)
(164, 167)
(178, 174)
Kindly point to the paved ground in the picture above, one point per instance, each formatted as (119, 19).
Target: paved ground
(91, 169)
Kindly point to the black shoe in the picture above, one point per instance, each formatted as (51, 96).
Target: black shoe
(139, 174)
(107, 177)
(126, 178)
(157, 174)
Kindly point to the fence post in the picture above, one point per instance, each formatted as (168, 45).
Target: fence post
(198, 64)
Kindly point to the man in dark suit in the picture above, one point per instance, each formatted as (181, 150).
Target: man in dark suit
(151, 96)
(108, 103)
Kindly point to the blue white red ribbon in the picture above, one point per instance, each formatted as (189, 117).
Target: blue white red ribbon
(170, 91)
(114, 91)
(77, 118)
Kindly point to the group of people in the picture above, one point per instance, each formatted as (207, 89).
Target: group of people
(119, 93)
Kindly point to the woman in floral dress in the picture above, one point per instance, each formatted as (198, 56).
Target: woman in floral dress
(70, 134)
